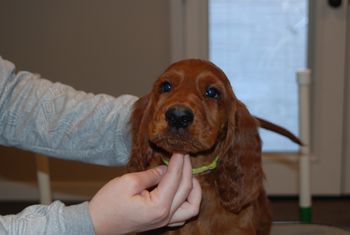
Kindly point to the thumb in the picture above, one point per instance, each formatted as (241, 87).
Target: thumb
(145, 179)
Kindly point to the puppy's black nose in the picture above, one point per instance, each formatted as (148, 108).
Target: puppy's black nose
(179, 117)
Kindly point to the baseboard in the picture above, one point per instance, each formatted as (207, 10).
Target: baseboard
(67, 191)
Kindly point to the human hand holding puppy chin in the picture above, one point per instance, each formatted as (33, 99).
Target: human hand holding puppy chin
(124, 205)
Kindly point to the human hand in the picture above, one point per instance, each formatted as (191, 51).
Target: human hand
(124, 205)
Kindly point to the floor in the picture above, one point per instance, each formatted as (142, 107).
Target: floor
(325, 210)
(330, 211)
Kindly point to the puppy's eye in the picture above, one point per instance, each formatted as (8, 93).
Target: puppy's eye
(212, 92)
(165, 87)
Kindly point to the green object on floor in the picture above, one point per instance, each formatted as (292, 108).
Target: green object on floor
(305, 215)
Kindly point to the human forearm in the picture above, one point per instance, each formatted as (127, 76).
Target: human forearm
(56, 120)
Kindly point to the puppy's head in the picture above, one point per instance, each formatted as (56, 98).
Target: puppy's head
(188, 108)
(192, 109)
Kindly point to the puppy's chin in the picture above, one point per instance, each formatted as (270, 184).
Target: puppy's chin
(167, 146)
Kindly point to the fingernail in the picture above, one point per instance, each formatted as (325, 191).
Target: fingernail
(161, 169)
(178, 156)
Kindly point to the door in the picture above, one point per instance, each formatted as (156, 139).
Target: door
(260, 45)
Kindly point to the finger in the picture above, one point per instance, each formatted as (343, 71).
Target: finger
(169, 184)
(189, 208)
(176, 224)
(195, 196)
(185, 186)
(139, 181)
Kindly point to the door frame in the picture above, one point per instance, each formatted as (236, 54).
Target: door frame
(346, 145)
(189, 29)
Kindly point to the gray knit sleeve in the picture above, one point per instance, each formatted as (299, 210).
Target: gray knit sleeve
(56, 120)
(55, 218)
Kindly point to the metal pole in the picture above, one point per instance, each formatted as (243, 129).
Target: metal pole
(304, 80)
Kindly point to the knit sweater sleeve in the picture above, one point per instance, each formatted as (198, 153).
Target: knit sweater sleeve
(55, 218)
(56, 120)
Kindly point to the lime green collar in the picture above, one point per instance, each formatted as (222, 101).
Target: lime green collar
(201, 169)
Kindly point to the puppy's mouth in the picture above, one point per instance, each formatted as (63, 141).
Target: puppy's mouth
(168, 145)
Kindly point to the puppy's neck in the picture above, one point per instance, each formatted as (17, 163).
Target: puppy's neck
(201, 169)
(201, 162)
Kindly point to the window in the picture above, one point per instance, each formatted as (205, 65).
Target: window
(260, 45)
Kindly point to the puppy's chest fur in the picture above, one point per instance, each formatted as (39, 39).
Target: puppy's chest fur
(213, 218)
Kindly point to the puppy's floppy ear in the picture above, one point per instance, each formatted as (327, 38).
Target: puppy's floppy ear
(140, 151)
(240, 174)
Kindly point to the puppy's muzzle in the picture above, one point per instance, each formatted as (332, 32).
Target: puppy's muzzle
(179, 117)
